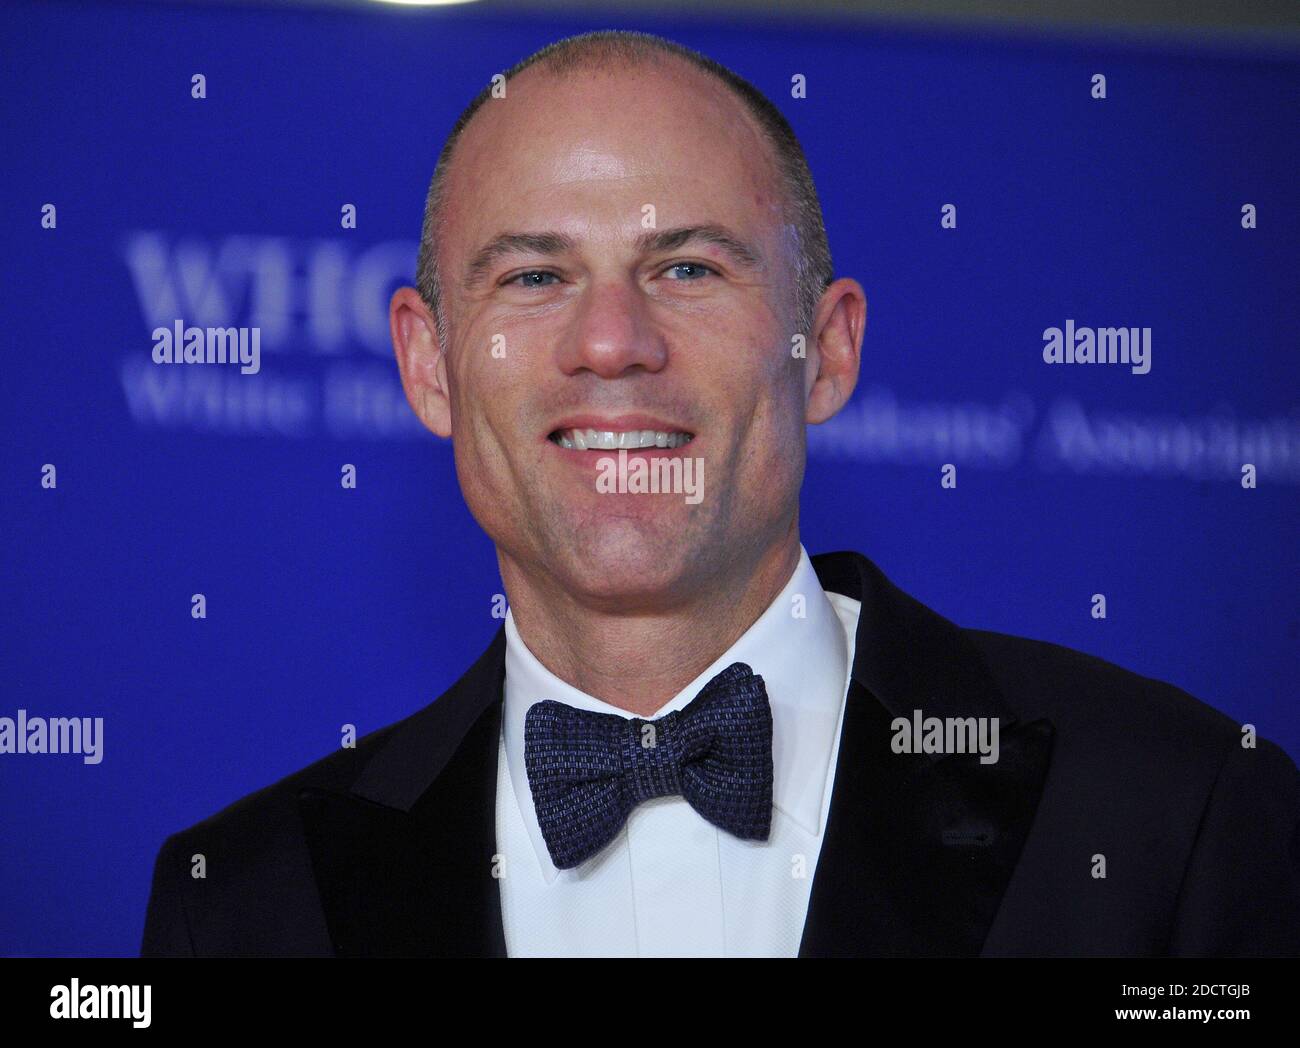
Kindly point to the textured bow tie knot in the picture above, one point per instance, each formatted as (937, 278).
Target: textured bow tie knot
(588, 770)
(651, 752)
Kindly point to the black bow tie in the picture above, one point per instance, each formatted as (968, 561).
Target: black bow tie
(587, 770)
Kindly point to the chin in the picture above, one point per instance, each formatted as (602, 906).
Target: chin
(626, 568)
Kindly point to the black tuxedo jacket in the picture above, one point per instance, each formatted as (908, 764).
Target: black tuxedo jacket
(387, 849)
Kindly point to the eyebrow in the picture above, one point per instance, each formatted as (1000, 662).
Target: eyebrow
(742, 253)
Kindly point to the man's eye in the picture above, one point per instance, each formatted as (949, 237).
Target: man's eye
(698, 267)
(525, 279)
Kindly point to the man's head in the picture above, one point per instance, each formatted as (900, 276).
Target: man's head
(627, 239)
(610, 50)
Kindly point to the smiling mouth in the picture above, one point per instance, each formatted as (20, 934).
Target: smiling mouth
(614, 440)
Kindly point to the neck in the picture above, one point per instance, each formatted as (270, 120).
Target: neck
(639, 661)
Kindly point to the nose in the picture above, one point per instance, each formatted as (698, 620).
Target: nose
(612, 333)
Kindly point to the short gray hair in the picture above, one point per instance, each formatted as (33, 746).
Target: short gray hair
(614, 48)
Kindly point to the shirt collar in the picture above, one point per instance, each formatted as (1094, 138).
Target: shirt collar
(798, 646)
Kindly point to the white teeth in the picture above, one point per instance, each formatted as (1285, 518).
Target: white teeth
(610, 440)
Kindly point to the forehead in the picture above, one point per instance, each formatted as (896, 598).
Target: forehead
(584, 153)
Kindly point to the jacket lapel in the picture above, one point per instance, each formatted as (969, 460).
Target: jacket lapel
(403, 860)
(918, 848)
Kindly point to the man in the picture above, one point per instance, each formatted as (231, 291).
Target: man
(688, 737)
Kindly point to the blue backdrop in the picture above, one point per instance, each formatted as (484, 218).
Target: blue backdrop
(328, 606)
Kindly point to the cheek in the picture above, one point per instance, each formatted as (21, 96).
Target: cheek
(486, 381)
(773, 439)
(496, 427)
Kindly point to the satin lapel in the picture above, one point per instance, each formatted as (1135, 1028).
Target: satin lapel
(403, 860)
(918, 848)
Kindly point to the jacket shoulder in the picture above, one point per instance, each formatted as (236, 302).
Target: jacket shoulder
(239, 882)
(1078, 690)
(265, 806)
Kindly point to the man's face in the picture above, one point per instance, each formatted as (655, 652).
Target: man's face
(595, 325)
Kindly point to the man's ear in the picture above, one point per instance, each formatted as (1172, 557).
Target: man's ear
(420, 359)
(836, 343)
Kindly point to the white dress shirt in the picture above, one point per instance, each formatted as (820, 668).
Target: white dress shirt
(672, 884)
